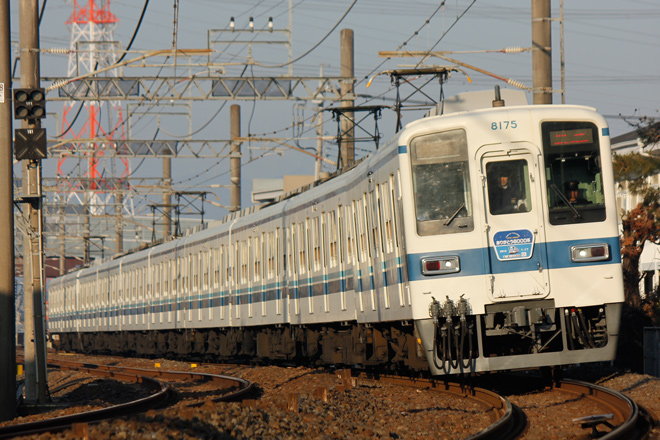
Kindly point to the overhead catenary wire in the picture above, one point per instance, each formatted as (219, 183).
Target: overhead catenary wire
(426, 23)
(317, 44)
(447, 31)
(135, 32)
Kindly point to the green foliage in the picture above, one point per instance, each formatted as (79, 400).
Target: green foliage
(635, 168)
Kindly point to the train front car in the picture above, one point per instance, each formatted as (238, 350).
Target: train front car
(512, 238)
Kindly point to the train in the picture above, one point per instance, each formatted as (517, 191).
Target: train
(480, 238)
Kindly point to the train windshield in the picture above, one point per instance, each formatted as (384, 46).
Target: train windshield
(573, 172)
(441, 182)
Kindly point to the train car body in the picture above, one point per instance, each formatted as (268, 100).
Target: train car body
(478, 240)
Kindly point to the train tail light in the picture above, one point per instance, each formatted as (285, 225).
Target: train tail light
(590, 252)
(440, 265)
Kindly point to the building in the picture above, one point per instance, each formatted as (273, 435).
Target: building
(268, 190)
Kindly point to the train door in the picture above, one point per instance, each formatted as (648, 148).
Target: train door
(514, 232)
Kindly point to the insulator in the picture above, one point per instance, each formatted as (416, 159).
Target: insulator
(463, 307)
(57, 50)
(515, 49)
(516, 83)
(57, 84)
(434, 309)
(448, 309)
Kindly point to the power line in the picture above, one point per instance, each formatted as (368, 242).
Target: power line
(317, 44)
(135, 32)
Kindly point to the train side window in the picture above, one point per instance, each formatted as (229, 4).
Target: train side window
(315, 242)
(256, 257)
(441, 183)
(574, 178)
(334, 247)
(206, 266)
(277, 250)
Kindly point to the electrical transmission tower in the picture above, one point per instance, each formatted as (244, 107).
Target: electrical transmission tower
(99, 122)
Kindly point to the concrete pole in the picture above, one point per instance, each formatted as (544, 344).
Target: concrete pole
(235, 158)
(7, 299)
(167, 197)
(541, 52)
(319, 142)
(35, 357)
(347, 123)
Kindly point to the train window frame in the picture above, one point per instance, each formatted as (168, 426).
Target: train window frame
(573, 172)
(441, 157)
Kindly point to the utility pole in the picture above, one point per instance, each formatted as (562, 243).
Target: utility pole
(347, 71)
(167, 197)
(541, 52)
(119, 226)
(33, 263)
(319, 142)
(235, 158)
(7, 297)
(319, 133)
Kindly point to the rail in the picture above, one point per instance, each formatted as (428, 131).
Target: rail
(161, 395)
(507, 420)
(626, 420)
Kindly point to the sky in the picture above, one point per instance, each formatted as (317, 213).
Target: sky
(611, 64)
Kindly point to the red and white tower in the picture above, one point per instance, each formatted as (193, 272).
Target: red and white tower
(94, 124)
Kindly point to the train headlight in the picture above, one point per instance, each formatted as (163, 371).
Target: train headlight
(590, 252)
(440, 265)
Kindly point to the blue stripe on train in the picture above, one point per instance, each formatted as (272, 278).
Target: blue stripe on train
(475, 261)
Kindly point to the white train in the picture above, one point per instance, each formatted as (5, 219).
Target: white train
(482, 239)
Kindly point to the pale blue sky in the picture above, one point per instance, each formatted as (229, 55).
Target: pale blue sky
(611, 59)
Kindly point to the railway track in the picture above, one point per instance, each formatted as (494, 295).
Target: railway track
(626, 420)
(155, 381)
(507, 420)
(504, 415)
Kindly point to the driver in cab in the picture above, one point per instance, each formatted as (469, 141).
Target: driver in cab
(503, 197)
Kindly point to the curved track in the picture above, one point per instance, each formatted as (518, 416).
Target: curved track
(625, 421)
(624, 418)
(508, 421)
(162, 394)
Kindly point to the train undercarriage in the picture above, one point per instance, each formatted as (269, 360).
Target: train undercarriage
(394, 345)
(529, 335)
(518, 335)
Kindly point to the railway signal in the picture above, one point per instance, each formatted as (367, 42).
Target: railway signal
(29, 104)
(30, 143)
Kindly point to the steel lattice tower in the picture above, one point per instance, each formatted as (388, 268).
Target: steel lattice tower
(96, 123)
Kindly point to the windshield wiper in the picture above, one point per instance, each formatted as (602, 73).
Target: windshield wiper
(453, 216)
(562, 197)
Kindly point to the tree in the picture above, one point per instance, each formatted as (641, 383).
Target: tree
(642, 223)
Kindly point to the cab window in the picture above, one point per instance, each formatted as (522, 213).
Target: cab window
(573, 172)
(508, 187)
(441, 183)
